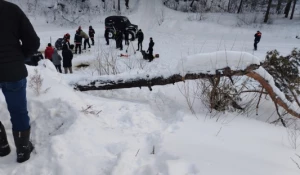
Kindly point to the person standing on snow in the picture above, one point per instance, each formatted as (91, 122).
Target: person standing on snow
(86, 39)
(92, 34)
(16, 27)
(78, 42)
(119, 40)
(140, 36)
(49, 51)
(67, 59)
(56, 59)
(257, 37)
(150, 49)
(66, 39)
(106, 35)
(126, 34)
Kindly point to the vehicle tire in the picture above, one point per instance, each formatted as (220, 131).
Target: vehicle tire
(131, 35)
(111, 34)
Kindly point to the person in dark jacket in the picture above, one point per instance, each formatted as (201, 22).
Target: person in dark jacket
(257, 37)
(92, 34)
(78, 42)
(56, 59)
(126, 34)
(67, 59)
(66, 39)
(119, 39)
(150, 49)
(49, 51)
(16, 27)
(140, 37)
(106, 33)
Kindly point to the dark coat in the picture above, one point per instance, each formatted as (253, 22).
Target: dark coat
(151, 44)
(140, 36)
(126, 34)
(67, 57)
(106, 33)
(15, 27)
(257, 37)
(91, 33)
(119, 36)
(77, 38)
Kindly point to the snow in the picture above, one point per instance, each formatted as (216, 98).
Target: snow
(116, 136)
(210, 62)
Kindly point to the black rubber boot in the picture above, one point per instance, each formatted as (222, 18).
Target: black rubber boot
(4, 146)
(23, 145)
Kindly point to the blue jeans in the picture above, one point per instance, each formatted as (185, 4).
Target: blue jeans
(15, 96)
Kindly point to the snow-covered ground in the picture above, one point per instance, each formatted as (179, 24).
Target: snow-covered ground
(141, 132)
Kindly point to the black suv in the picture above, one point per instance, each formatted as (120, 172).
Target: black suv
(113, 23)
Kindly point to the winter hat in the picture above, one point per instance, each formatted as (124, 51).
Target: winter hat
(90, 27)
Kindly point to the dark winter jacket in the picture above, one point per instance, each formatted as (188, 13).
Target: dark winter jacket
(15, 29)
(151, 44)
(106, 33)
(56, 58)
(257, 37)
(91, 33)
(77, 39)
(126, 34)
(119, 36)
(67, 57)
(49, 52)
(140, 36)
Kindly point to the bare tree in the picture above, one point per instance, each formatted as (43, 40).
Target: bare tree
(287, 8)
(293, 10)
(268, 11)
(240, 6)
(278, 7)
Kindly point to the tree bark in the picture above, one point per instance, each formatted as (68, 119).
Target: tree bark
(293, 10)
(278, 7)
(268, 11)
(287, 8)
(145, 81)
(240, 7)
(275, 98)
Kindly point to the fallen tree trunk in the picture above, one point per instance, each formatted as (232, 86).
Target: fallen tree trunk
(145, 81)
(275, 97)
(225, 72)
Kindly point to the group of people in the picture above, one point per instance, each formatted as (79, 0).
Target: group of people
(52, 54)
(120, 35)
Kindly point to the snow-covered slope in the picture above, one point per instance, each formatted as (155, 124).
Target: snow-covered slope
(138, 132)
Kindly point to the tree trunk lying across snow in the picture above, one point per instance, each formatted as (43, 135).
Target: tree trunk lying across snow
(149, 82)
(225, 72)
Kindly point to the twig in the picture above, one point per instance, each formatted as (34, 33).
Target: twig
(296, 163)
(219, 131)
(261, 92)
(137, 152)
(153, 151)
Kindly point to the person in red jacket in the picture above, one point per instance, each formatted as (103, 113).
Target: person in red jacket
(49, 52)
